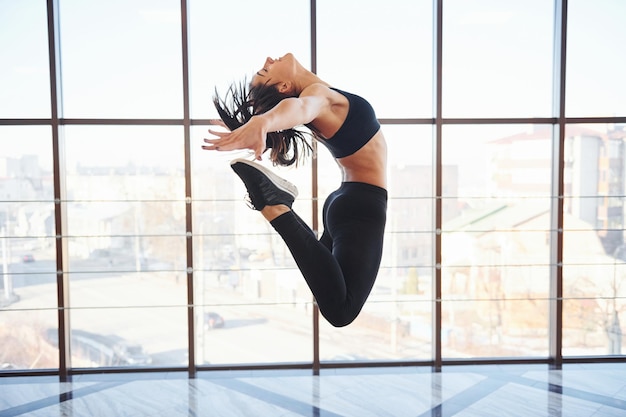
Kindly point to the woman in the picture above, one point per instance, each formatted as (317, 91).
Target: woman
(340, 268)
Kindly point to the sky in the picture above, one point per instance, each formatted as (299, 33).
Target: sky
(497, 60)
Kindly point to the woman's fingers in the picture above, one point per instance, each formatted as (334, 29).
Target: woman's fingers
(218, 122)
(235, 140)
(212, 144)
(221, 143)
(215, 145)
(219, 133)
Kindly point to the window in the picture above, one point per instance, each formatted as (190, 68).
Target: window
(24, 74)
(497, 58)
(120, 59)
(28, 304)
(594, 67)
(104, 187)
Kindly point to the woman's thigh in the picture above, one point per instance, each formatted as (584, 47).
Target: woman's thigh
(355, 220)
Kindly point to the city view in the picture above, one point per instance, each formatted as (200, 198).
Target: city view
(105, 189)
(127, 266)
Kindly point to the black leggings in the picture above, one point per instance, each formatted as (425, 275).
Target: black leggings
(340, 268)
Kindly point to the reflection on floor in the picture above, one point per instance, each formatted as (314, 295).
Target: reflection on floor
(597, 390)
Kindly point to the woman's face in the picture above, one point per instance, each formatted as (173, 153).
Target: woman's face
(276, 70)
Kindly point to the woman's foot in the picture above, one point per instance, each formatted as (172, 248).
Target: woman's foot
(265, 189)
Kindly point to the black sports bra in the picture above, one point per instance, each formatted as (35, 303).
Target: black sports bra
(358, 128)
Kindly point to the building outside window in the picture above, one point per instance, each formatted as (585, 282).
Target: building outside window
(125, 245)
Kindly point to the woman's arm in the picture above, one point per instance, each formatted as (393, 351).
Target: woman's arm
(289, 113)
(292, 112)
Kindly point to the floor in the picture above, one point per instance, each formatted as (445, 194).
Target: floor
(580, 390)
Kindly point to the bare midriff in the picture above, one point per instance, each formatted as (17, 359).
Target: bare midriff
(368, 164)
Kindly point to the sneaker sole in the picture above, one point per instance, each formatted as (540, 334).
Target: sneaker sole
(279, 182)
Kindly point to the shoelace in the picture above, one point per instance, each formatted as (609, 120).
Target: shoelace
(248, 201)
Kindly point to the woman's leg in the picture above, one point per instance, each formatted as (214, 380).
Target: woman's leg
(341, 268)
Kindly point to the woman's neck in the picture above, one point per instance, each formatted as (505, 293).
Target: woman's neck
(304, 79)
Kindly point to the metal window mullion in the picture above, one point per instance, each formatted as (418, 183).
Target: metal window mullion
(558, 164)
(191, 366)
(438, 184)
(60, 191)
(314, 193)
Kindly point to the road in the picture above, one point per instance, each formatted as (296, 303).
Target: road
(152, 311)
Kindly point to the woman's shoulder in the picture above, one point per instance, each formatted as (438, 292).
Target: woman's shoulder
(318, 89)
(332, 113)
(333, 95)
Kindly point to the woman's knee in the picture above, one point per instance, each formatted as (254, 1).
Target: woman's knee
(339, 318)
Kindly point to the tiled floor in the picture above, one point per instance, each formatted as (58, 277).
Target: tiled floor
(517, 390)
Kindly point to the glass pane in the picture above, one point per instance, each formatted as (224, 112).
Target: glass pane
(214, 62)
(497, 162)
(595, 62)
(24, 335)
(495, 243)
(27, 248)
(26, 164)
(497, 58)
(127, 245)
(276, 330)
(361, 41)
(408, 252)
(384, 331)
(128, 337)
(24, 73)
(594, 255)
(245, 279)
(501, 327)
(131, 71)
(127, 163)
(149, 263)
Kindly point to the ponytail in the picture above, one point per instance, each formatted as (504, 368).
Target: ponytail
(243, 101)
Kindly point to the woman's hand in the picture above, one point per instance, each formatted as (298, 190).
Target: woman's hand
(249, 136)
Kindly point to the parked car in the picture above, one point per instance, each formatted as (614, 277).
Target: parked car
(28, 258)
(92, 349)
(213, 320)
(131, 354)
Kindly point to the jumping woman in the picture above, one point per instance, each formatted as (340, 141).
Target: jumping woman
(340, 268)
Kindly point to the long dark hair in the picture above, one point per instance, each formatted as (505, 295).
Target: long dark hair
(242, 101)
